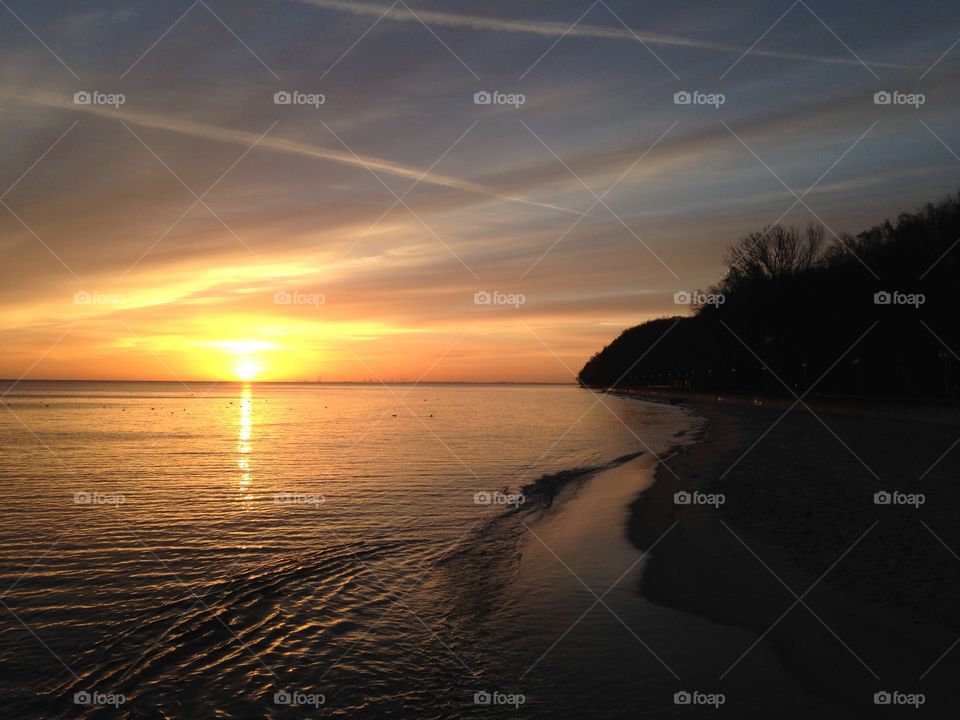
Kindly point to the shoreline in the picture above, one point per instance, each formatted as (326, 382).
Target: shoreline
(928, 411)
(572, 553)
(873, 628)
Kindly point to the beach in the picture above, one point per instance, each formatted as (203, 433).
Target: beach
(852, 597)
(411, 581)
(571, 597)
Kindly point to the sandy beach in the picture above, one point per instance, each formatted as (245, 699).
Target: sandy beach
(878, 591)
(575, 585)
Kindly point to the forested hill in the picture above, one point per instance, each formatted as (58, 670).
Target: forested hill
(871, 314)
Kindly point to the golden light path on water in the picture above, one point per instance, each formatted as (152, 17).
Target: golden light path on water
(244, 444)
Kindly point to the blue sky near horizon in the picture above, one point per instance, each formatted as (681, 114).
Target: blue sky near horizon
(503, 198)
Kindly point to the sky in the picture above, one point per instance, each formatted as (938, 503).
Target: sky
(390, 224)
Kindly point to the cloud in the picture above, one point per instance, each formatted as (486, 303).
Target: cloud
(559, 30)
(249, 139)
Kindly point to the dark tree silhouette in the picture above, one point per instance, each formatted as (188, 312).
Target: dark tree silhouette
(775, 253)
(870, 314)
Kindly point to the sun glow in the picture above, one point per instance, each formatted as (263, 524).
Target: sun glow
(246, 370)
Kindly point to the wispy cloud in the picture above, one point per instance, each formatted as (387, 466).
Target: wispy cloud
(556, 30)
(248, 139)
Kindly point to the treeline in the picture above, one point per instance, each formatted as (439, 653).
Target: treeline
(871, 314)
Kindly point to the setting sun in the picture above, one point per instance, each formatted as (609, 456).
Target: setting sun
(247, 370)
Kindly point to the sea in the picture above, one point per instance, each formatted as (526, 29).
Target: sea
(227, 550)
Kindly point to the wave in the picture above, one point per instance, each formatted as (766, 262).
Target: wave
(541, 493)
(487, 560)
(200, 630)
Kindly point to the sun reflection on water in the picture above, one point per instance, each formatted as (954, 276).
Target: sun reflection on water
(244, 444)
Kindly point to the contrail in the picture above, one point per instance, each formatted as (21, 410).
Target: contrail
(555, 30)
(248, 139)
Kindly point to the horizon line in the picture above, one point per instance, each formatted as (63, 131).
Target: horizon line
(300, 382)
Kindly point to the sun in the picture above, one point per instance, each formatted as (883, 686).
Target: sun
(247, 370)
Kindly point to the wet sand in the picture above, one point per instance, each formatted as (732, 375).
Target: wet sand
(624, 654)
(800, 505)
(573, 632)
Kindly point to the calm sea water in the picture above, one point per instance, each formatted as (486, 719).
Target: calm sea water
(200, 548)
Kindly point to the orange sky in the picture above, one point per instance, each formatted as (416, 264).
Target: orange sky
(197, 226)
